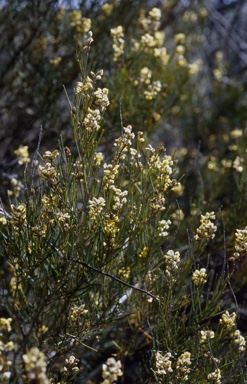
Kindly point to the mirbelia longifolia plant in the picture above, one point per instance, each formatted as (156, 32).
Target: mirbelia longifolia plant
(88, 248)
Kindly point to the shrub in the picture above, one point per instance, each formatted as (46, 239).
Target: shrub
(98, 267)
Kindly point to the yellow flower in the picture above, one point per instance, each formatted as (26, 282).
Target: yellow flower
(96, 206)
(5, 323)
(22, 152)
(18, 215)
(206, 335)
(102, 98)
(47, 172)
(199, 276)
(107, 9)
(85, 85)
(207, 228)
(163, 363)
(228, 320)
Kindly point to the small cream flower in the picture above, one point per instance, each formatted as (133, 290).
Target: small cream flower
(215, 377)
(228, 320)
(199, 276)
(163, 226)
(85, 85)
(102, 98)
(239, 341)
(91, 120)
(163, 363)
(238, 164)
(98, 158)
(240, 243)
(207, 228)
(5, 324)
(111, 371)
(18, 215)
(71, 364)
(172, 260)
(96, 206)
(22, 153)
(182, 366)
(118, 42)
(47, 172)
(153, 90)
(35, 365)
(206, 335)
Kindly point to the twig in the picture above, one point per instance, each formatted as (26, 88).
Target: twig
(113, 278)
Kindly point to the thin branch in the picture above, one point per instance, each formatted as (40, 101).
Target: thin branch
(113, 278)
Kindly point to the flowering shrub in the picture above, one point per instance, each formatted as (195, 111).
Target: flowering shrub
(99, 261)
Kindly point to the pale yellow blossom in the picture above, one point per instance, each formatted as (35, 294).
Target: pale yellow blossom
(111, 370)
(22, 153)
(228, 321)
(199, 276)
(163, 363)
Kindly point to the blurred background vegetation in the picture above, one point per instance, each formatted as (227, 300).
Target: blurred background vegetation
(38, 44)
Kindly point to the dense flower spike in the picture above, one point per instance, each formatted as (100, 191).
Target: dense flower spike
(183, 366)
(18, 215)
(172, 260)
(118, 42)
(163, 363)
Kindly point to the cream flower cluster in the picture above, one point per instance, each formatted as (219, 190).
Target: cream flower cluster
(153, 90)
(5, 348)
(111, 371)
(152, 21)
(19, 214)
(22, 153)
(35, 365)
(96, 206)
(125, 140)
(215, 377)
(119, 197)
(91, 120)
(102, 98)
(110, 172)
(207, 228)
(228, 321)
(48, 171)
(163, 226)
(241, 240)
(118, 42)
(205, 336)
(71, 364)
(182, 366)
(163, 363)
(172, 260)
(199, 276)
